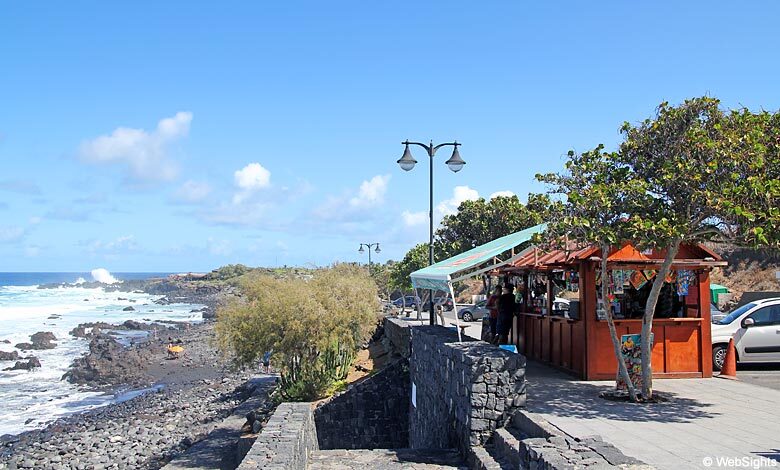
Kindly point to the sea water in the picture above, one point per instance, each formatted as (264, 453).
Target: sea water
(30, 399)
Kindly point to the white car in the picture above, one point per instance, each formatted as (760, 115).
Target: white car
(755, 328)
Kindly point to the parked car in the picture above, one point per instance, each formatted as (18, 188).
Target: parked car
(478, 311)
(755, 328)
(715, 314)
(410, 302)
(445, 302)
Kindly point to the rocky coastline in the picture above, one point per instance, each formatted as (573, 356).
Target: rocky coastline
(163, 404)
(207, 293)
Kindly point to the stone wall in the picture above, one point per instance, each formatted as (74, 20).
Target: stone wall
(286, 441)
(463, 391)
(397, 337)
(371, 414)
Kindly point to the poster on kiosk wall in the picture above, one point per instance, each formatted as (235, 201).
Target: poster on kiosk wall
(631, 352)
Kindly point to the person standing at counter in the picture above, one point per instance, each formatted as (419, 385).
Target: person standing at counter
(492, 306)
(506, 310)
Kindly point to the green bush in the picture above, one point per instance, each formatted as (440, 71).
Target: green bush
(314, 327)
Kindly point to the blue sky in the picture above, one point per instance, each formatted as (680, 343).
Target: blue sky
(173, 136)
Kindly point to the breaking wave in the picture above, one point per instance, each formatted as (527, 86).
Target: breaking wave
(102, 275)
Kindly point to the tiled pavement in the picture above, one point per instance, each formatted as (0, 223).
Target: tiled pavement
(706, 421)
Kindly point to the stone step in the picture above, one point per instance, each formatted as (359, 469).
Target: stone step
(365, 459)
(485, 458)
(507, 447)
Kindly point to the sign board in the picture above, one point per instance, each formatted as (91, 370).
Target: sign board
(631, 350)
(777, 274)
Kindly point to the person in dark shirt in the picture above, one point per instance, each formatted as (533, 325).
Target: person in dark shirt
(492, 306)
(506, 310)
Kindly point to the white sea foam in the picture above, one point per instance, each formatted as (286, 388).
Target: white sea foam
(102, 275)
(31, 399)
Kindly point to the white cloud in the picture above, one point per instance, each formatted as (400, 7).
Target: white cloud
(459, 194)
(143, 153)
(371, 192)
(446, 207)
(501, 194)
(354, 205)
(250, 179)
(10, 234)
(31, 251)
(122, 244)
(412, 219)
(20, 186)
(192, 192)
(243, 214)
(218, 247)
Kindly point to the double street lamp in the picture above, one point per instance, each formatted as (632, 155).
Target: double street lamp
(368, 246)
(455, 163)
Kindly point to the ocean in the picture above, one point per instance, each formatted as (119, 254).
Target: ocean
(30, 399)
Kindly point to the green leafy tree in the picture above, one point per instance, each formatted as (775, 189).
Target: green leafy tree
(314, 327)
(479, 221)
(416, 258)
(691, 160)
(598, 196)
(693, 173)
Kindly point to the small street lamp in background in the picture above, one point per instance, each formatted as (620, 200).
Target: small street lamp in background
(368, 246)
(455, 163)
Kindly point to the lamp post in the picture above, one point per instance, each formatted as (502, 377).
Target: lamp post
(368, 246)
(455, 163)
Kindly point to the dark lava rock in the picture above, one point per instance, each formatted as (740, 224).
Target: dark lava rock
(43, 340)
(106, 364)
(30, 364)
(90, 329)
(134, 325)
(6, 341)
(40, 340)
(9, 356)
(128, 309)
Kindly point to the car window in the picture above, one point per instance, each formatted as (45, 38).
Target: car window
(769, 315)
(735, 314)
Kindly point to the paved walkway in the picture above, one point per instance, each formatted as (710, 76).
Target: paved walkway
(705, 419)
(417, 459)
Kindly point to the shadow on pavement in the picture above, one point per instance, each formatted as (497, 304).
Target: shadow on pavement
(558, 394)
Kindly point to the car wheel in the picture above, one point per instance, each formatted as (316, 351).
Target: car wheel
(718, 356)
(467, 316)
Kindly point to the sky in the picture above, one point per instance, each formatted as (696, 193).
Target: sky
(181, 136)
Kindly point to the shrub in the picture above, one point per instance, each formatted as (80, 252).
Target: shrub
(314, 327)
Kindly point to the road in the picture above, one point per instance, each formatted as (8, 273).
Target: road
(765, 375)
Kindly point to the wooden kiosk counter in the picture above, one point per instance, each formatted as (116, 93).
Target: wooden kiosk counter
(562, 320)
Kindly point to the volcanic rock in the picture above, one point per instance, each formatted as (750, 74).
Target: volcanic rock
(40, 340)
(106, 364)
(30, 364)
(9, 356)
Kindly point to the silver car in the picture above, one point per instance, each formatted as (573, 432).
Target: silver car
(478, 311)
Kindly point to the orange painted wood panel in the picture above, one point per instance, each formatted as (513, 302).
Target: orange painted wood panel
(682, 348)
(566, 344)
(555, 342)
(545, 339)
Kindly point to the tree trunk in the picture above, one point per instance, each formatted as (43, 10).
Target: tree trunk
(611, 322)
(647, 319)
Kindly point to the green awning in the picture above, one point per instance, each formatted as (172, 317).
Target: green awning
(438, 275)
